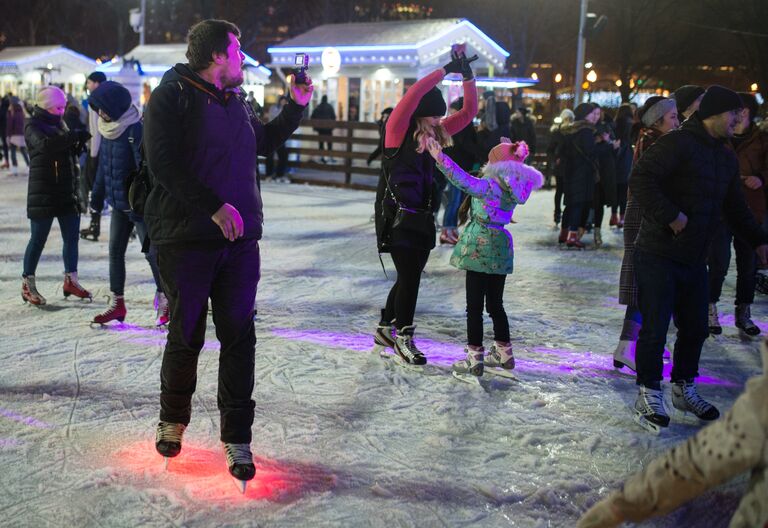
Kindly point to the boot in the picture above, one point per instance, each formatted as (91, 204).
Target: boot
(624, 355)
(563, 235)
(500, 356)
(744, 320)
(72, 287)
(163, 310)
(685, 398)
(29, 293)
(240, 461)
(473, 364)
(93, 231)
(406, 348)
(116, 311)
(614, 221)
(446, 237)
(168, 438)
(573, 240)
(598, 238)
(714, 321)
(649, 409)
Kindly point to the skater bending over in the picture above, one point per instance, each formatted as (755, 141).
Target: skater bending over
(405, 226)
(733, 445)
(485, 249)
(204, 214)
(683, 184)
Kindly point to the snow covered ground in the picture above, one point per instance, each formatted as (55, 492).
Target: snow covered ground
(341, 437)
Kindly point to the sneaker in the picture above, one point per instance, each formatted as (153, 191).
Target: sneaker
(240, 461)
(406, 348)
(714, 320)
(649, 409)
(72, 287)
(500, 356)
(685, 398)
(472, 364)
(29, 293)
(168, 438)
(744, 320)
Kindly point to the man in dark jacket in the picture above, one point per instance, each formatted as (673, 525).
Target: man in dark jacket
(204, 213)
(684, 183)
(324, 111)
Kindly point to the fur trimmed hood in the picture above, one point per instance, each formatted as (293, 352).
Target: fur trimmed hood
(514, 176)
(577, 126)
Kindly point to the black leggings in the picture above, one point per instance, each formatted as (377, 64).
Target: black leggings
(488, 289)
(401, 301)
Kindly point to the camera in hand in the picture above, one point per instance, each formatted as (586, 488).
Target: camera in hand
(458, 50)
(301, 62)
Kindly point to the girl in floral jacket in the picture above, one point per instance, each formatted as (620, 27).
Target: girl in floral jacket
(485, 249)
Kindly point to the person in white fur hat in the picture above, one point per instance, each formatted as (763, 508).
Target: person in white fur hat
(485, 249)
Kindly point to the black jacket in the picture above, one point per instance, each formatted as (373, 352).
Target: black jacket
(688, 170)
(53, 185)
(579, 159)
(201, 146)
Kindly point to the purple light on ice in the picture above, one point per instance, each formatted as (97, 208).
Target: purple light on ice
(26, 420)
(10, 442)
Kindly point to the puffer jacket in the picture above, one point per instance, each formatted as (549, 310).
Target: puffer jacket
(579, 162)
(117, 158)
(485, 245)
(736, 443)
(53, 183)
(690, 171)
(201, 147)
(753, 161)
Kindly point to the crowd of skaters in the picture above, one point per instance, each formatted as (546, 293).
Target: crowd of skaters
(679, 182)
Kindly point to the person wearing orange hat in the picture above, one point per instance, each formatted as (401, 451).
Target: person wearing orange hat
(485, 249)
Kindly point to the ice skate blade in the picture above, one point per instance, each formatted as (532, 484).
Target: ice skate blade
(466, 378)
(241, 485)
(499, 372)
(686, 417)
(645, 424)
(165, 462)
(397, 360)
(620, 365)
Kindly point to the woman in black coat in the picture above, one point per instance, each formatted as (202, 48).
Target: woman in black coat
(52, 190)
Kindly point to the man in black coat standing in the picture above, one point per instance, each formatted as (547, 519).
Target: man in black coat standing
(684, 183)
(204, 214)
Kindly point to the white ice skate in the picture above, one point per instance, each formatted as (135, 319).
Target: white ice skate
(649, 411)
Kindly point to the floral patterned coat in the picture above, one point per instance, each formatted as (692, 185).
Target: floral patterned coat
(485, 245)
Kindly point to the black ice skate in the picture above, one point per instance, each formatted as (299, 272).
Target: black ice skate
(744, 320)
(168, 439)
(383, 336)
(650, 413)
(240, 464)
(405, 347)
(686, 399)
(93, 231)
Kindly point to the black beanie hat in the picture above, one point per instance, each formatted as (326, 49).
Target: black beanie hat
(97, 76)
(431, 105)
(582, 111)
(685, 96)
(749, 102)
(718, 99)
(112, 98)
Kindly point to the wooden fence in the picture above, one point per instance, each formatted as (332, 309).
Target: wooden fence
(352, 143)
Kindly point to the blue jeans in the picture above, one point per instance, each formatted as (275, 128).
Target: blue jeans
(667, 288)
(451, 214)
(70, 227)
(120, 228)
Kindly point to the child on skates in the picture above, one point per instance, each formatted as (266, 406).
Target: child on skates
(485, 248)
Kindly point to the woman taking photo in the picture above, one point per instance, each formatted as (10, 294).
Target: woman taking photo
(405, 227)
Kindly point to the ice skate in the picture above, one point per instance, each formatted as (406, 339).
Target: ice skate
(29, 293)
(686, 399)
(744, 320)
(500, 361)
(72, 287)
(93, 231)
(168, 439)
(383, 336)
(471, 366)
(115, 312)
(405, 347)
(163, 309)
(624, 355)
(614, 221)
(447, 236)
(573, 241)
(649, 410)
(714, 320)
(240, 464)
(598, 237)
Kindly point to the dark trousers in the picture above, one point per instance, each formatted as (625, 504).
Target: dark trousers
(24, 154)
(719, 259)
(667, 288)
(324, 132)
(120, 227)
(227, 274)
(401, 301)
(41, 227)
(558, 198)
(488, 289)
(621, 196)
(4, 141)
(282, 162)
(574, 216)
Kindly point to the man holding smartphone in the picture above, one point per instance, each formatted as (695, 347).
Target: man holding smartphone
(204, 214)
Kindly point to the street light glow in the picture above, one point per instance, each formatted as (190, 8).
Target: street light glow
(588, 65)
(753, 88)
(618, 83)
(558, 78)
(592, 76)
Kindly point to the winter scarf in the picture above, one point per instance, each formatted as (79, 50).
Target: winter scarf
(114, 129)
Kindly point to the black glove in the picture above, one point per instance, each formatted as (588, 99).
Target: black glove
(81, 135)
(454, 66)
(460, 64)
(466, 69)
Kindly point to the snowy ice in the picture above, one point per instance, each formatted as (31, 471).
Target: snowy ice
(341, 436)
